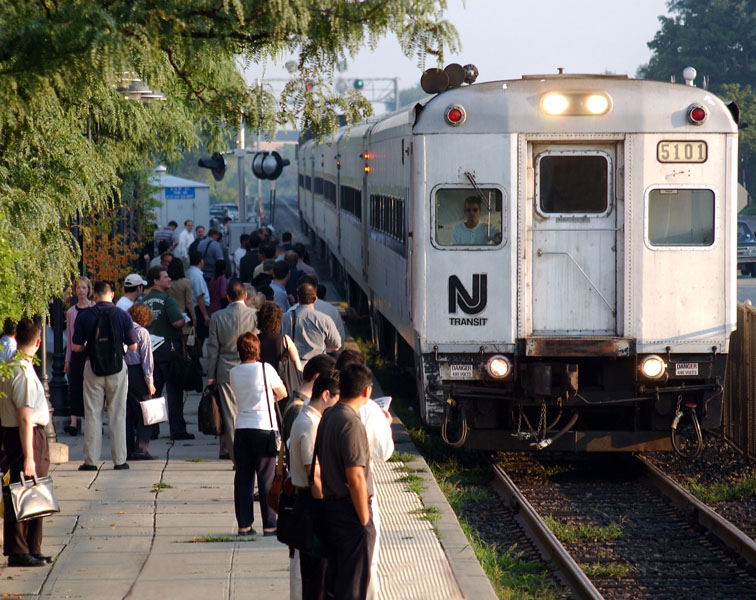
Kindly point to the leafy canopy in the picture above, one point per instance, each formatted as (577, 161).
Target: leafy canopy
(68, 137)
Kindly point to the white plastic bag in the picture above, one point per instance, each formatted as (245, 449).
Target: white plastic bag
(154, 411)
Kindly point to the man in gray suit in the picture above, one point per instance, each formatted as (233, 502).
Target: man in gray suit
(225, 327)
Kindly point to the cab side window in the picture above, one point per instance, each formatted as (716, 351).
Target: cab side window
(681, 217)
(464, 217)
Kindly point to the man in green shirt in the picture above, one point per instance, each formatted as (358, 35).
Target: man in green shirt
(167, 323)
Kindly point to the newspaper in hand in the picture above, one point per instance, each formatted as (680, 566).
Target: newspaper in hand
(384, 402)
(156, 341)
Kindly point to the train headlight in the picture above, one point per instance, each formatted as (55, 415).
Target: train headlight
(554, 104)
(498, 366)
(597, 104)
(653, 367)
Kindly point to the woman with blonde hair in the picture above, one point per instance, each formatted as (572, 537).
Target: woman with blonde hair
(74, 365)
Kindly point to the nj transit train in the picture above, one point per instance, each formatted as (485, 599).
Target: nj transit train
(554, 255)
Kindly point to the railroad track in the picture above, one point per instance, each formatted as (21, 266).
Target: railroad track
(627, 530)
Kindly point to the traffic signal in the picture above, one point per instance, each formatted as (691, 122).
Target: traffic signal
(309, 85)
(268, 165)
(216, 163)
(358, 84)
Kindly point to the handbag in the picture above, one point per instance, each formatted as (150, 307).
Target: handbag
(274, 437)
(209, 420)
(33, 499)
(274, 491)
(154, 411)
(183, 371)
(287, 369)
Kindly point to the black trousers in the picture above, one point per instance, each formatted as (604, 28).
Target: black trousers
(137, 433)
(312, 569)
(25, 537)
(251, 458)
(349, 549)
(174, 389)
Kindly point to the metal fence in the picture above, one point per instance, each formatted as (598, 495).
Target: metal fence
(740, 383)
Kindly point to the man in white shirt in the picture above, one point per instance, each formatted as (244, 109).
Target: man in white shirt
(240, 252)
(24, 413)
(133, 288)
(325, 393)
(472, 232)
(8, 341)
(186, 237)
(200, 297)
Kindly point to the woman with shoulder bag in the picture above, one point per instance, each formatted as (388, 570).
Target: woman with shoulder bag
(275, 348)
(256, 386)
(141, 366)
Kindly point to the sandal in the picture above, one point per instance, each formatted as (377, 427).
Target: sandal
(248, 531)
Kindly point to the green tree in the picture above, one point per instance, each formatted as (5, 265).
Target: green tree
(717, 37)
(68, 137)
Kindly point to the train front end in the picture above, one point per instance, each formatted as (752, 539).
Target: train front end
(578, 262)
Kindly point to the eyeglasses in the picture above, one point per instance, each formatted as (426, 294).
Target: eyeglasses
(471, 209)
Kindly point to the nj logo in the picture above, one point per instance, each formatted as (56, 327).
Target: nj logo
(470, 304)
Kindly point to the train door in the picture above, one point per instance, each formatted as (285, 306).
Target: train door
(574, 232)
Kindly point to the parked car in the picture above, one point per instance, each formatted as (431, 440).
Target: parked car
(746, 249)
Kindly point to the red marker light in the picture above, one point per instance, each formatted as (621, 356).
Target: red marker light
(455, 115)
(697, 114)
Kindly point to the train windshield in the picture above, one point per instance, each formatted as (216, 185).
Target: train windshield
(465, 217)
(573, 183)
(680, 217)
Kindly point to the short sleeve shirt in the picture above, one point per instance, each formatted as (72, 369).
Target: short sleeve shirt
(477, 236)
(22, 389)
(166, 311)
(255, 407)
(342, 443)
(302, 444)
(86, 321)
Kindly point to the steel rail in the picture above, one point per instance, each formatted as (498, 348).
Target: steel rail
(720, 527)
(549, 546)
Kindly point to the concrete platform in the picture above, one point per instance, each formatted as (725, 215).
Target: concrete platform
(145, 533)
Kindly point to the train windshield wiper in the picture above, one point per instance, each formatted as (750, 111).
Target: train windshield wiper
(480, 193)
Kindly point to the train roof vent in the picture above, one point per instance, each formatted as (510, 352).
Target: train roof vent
(562, 75)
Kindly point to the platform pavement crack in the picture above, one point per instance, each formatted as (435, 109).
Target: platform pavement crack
(55, 562)
(231, 570)
(154, 524)
(91, 483)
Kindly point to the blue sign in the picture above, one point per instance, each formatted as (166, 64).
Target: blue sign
(179, 193)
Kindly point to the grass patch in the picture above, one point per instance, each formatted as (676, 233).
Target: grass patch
(413, 482)
(160, 486)
(611, 569)
(404, 457)
(574, 532)
(722, 492)
(195, 459)
(430, 514)
(512, 576)
(215, 539)
(408, 469)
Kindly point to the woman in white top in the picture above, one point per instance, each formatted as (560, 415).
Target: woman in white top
(255, 420)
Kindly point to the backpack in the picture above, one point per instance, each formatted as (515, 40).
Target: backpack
(105, 346)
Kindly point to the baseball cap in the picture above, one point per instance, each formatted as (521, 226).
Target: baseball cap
(134, 280)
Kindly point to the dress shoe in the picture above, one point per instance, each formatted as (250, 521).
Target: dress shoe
(269, 533)
(140, 456)
(225, 456)
(121, 467)
(25, 560)
(47, 559)
(71, 430)
(182, 436)
(86, 467)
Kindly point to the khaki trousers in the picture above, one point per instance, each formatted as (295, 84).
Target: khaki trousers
(109, 392)
(228, 410)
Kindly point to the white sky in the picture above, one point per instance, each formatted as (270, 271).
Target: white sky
(508, 38)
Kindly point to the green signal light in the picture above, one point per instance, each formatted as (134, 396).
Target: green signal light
(359, 84)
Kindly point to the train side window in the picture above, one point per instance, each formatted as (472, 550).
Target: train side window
(680, 217)
(573, 183)
(463, 218)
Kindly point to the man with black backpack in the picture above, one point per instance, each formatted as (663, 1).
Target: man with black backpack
(102, 331)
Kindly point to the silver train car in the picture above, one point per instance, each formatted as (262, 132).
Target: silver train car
(554, 256)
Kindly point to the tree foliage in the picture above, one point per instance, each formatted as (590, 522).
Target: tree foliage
(717, 37)
(68, 137)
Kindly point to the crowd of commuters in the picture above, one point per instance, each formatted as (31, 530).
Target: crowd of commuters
(246, 314)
